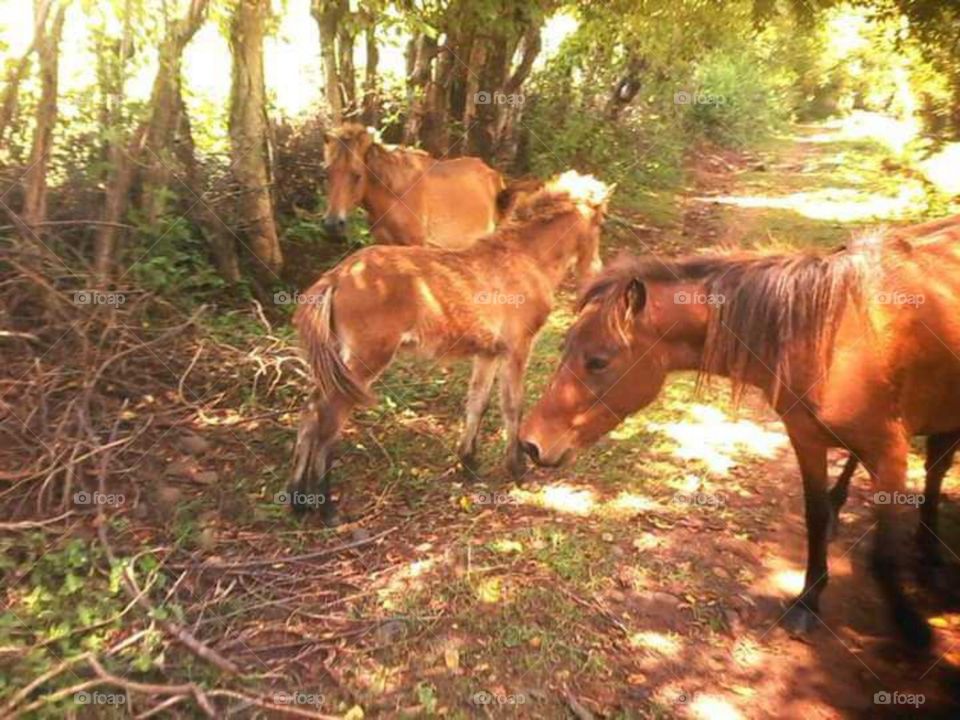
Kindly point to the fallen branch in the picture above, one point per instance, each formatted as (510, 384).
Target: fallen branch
(291, 558)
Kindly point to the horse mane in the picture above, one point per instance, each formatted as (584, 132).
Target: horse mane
(390, 164)
(763, 303)
(559, 196)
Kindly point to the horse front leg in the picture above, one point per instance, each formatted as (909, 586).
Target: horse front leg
(478, 399)
(320, 423)
(889, 470)
(802, 616)
(511, 406)
(941, 450)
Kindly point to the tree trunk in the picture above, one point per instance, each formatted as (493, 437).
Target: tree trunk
(327, 15)
(371, 85)
(163, 106)
(424, 50)
(16, 74)
(248, 134)
(154, 132)
(626, 88)
(35, 178)
(345, 69)
(219, 236)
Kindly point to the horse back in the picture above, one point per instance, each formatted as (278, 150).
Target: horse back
(458, 201)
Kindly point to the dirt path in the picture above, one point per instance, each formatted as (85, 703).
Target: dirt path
(849, 667)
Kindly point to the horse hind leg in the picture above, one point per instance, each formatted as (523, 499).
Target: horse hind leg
(839, 494)
(889, 470)
(478, 399)
(320, 423)
(941, 450)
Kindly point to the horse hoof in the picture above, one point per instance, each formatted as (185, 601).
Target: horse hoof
(799, 620)
(914, 629)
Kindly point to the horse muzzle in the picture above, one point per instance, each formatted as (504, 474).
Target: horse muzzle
(335, 227)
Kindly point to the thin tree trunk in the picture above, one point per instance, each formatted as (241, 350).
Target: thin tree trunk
(371, 85)
(248, 133)
(163, 106)
(424, 51)
(220, 238)
(35, 179)
(327, 15)
(154, 132)
(345, 69)
(11, 91)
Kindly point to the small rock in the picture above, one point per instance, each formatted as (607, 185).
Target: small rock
(360, 534)
(193, 444)
(178, 468)
(607, 537)
(207, 477)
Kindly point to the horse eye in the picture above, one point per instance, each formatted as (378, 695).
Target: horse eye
(597, 363)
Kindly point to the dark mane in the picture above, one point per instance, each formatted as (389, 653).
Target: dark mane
(761, 304)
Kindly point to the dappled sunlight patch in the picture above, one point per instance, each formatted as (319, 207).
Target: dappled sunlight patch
(711, 707)
(836, 204)
(560, 497)
(627, 503)
(711, 437)
(631, 428)
(943, 169)
(893, 133)
(659, 643)
(409, 577)
(788, 581)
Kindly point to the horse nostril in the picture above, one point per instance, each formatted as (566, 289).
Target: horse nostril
(531, 449)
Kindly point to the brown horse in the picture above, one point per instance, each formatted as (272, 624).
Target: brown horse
(410, 197)
(858, 349)
(487, 302)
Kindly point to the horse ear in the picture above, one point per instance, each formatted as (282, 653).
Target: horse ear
(636, 297)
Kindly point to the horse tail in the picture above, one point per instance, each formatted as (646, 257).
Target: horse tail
(314, 323)
(513, 192)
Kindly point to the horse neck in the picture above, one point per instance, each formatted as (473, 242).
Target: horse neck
(553, 249)
(685, 324)
(382, 177)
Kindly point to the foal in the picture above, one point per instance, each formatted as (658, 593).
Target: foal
(487, 302)
(410, 197)
(859, 349)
